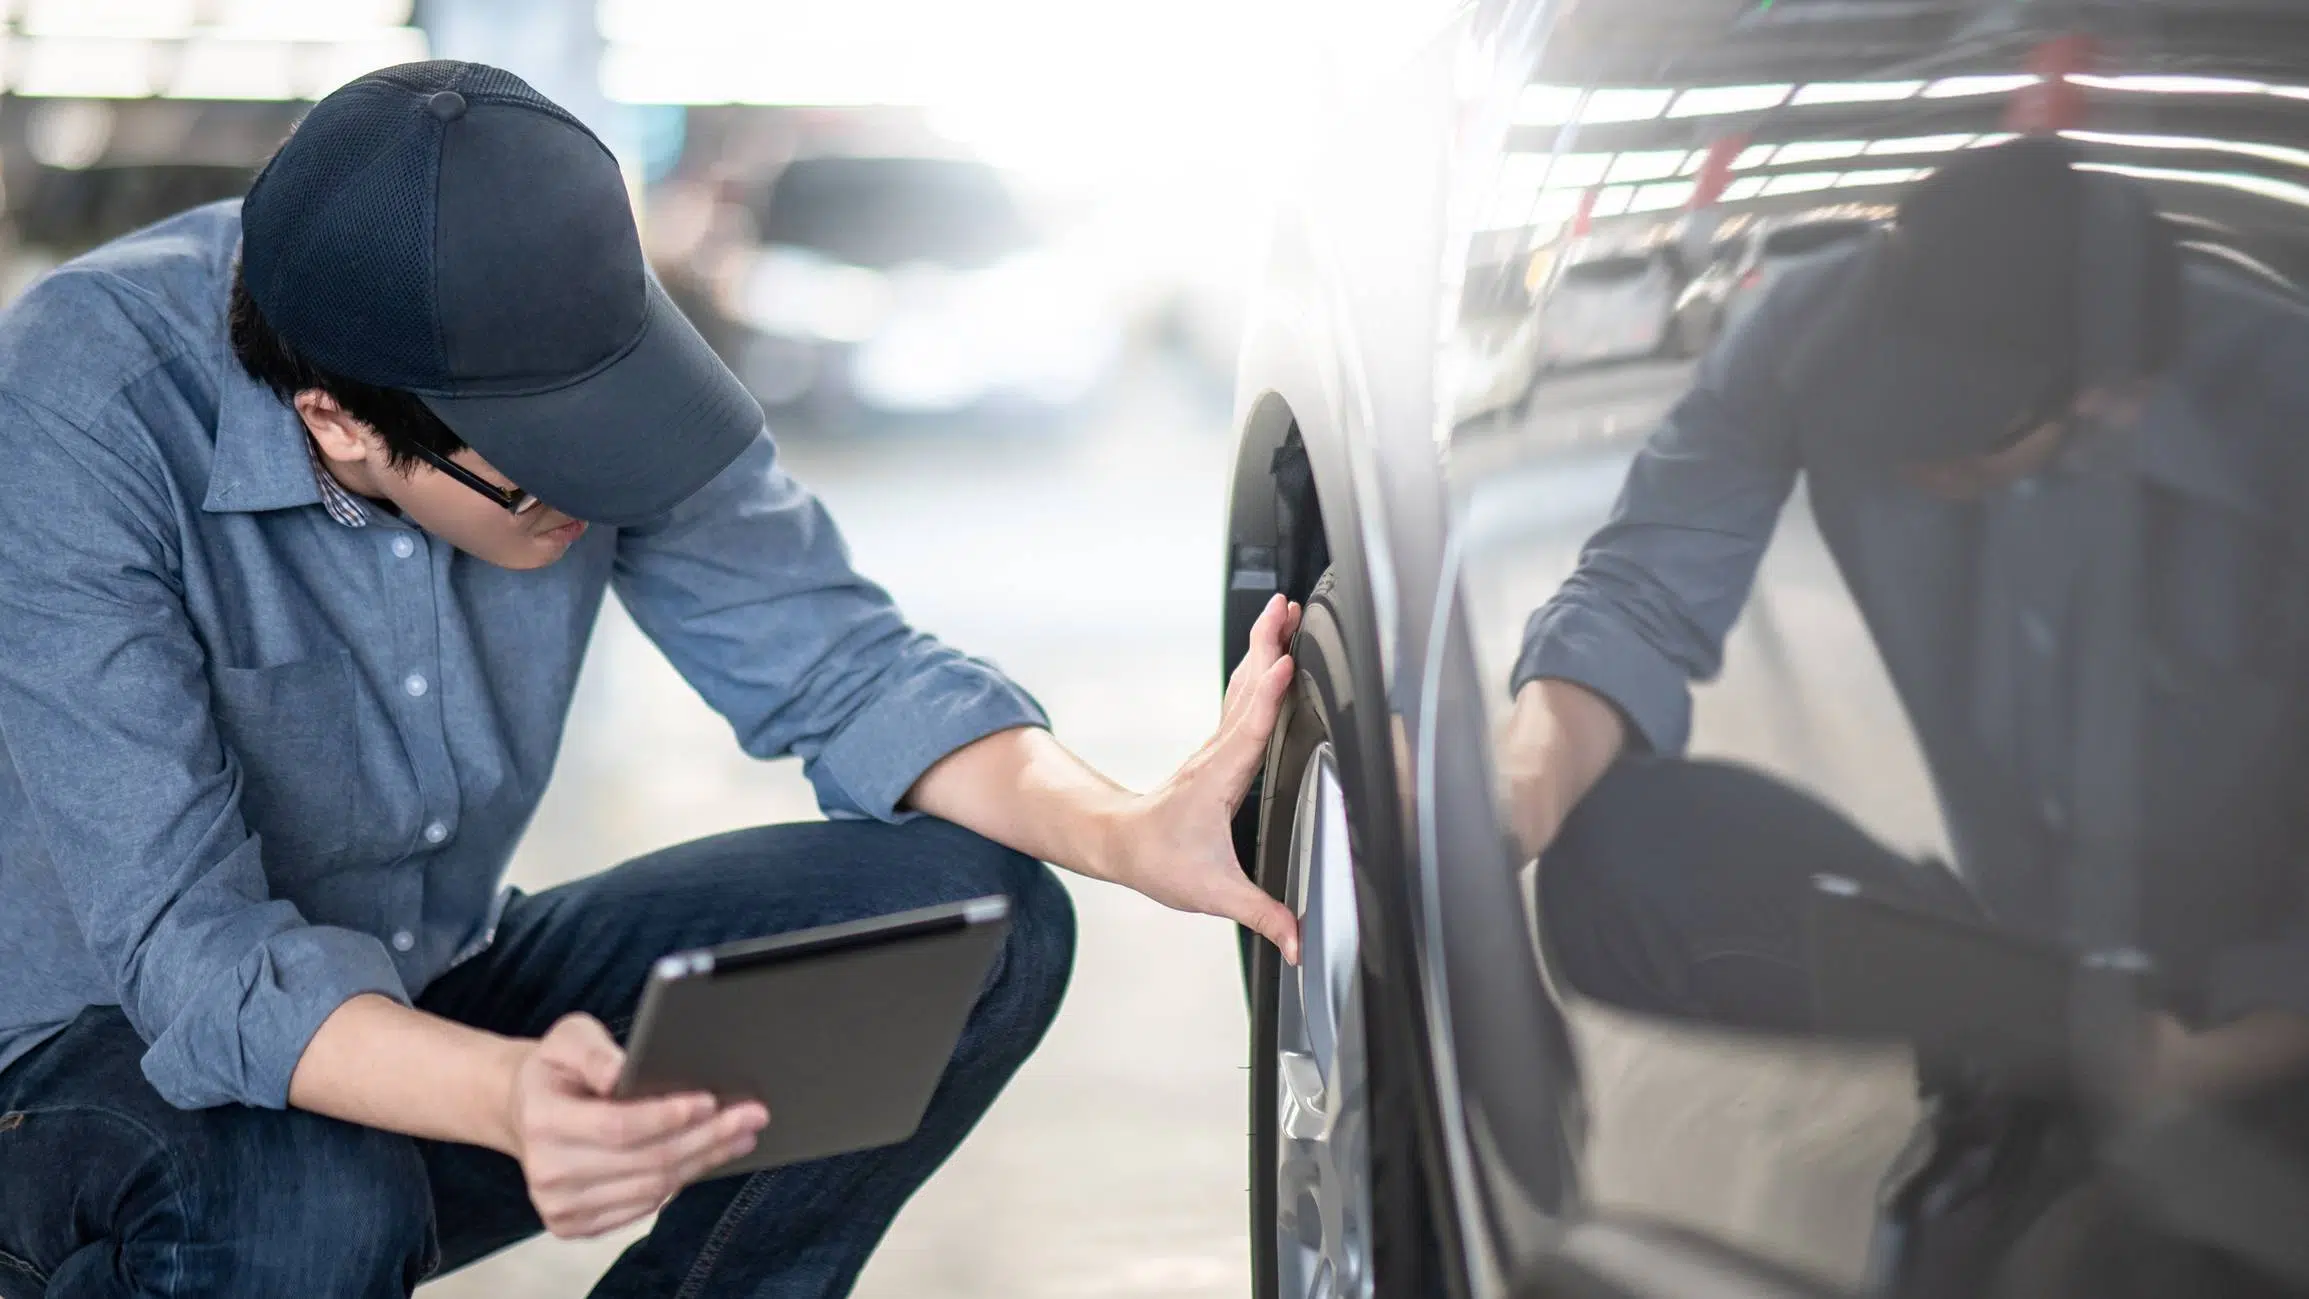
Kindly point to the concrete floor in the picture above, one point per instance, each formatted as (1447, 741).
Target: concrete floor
(1086, 565)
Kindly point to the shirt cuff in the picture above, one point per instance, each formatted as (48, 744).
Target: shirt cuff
(241, 1036)
(2262, 976)
(878, 754)
(1571, 642)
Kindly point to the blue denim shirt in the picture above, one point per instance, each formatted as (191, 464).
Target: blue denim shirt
(1971, 606)
(257, 762)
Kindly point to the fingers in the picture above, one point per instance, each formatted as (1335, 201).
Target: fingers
(1242, 744)
(690, 1154)
(583, 1189)
(1270, 639)
(580, 1044)
(629, 1125)
(1251, 907)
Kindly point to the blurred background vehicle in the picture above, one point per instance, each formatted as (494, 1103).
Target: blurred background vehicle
(1746, 264)
(909, 285)
(1607, 303)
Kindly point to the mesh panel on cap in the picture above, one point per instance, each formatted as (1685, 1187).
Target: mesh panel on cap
(338, 230)
(363, 158)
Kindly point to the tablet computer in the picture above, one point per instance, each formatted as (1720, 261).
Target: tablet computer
(842, 1031)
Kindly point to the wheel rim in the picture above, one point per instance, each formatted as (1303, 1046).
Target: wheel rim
(1322, 1164)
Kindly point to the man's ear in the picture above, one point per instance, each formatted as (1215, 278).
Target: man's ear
(339, 436)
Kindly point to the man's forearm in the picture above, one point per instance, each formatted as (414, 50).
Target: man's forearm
(383, 1065)
(1024, 790)
(1557, 744)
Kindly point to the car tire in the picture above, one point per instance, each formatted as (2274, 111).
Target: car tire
(1347, 1222)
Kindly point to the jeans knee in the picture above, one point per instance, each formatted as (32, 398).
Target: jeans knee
(1040, 950)
(334, 1209)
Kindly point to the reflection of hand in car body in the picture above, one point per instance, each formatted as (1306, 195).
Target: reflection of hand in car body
(1938, 432)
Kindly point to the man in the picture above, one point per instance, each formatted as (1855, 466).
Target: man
(2072, 529)
(290, 613)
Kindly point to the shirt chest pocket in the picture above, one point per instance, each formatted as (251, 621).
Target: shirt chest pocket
(294, 731)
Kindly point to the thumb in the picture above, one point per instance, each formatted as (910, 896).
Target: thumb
(1250, 906)
(580, 1044)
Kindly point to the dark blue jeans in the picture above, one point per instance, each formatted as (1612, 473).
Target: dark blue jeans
(1678, 888)
(105, 1190)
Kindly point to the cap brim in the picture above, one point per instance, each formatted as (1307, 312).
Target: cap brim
(627, 442)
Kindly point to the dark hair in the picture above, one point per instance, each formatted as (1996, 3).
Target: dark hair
(1988, 252)
(402, 421)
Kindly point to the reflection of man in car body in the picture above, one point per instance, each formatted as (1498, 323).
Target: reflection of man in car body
(1968, 397)
(284, 666)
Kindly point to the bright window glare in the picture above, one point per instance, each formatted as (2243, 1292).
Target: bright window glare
(1746, 187)
(283, 20)
(1918, 144)
(234, 69)
(2284, 191)
(1854, 92)
(108, 18)
(81, 68)
(1816, 151)
(1660, 198)
(2171, 85)
(1882, 176)
(1613, 201)
(1578, 170)
(346, 60)
(2285, 154)
(1960, 87)
(1624, 105)
(1704, 100)
(1646, 165)
(1545, 105)
(1557, 206)
(1755, 155)
(1208, 87)
(1803, 182)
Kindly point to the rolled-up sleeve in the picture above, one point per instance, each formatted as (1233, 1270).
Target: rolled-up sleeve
(747, 588)
(1660, 585)
(104, 707)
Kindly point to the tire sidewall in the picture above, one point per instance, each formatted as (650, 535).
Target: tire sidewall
(1315, 712)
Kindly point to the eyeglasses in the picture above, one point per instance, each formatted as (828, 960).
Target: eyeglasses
(512, 500)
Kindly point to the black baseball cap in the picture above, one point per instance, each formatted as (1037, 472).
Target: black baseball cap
(1959, 330)
(442, 228)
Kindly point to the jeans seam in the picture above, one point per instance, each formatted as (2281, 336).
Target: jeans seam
(718, 1239)
(24, 1265)
(176, 1178)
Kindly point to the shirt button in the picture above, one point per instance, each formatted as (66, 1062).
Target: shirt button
(416, 685)
(436, 832)
(404, 547)
(2055, 816)
(403, 940)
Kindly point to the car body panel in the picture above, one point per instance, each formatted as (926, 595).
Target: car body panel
(1457, 478)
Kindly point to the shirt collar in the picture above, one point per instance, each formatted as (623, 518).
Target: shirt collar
(342, 505)
(263, 461)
